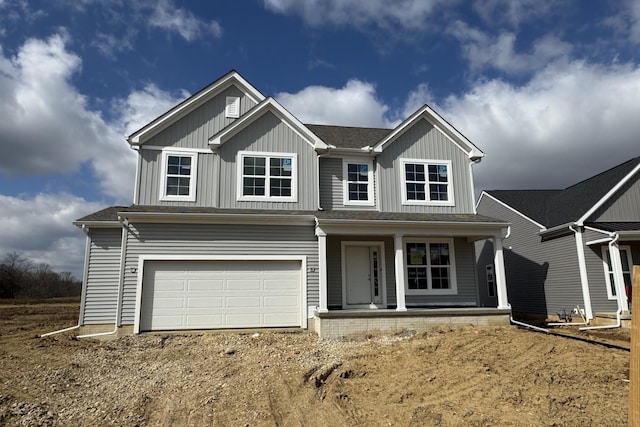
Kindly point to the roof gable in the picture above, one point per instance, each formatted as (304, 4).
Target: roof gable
(267, 105)
(439, 123)
(232, 78)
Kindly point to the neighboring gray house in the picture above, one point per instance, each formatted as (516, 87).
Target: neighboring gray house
(245, 217)
(571, 247)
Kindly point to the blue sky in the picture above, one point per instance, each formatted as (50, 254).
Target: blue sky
(549, 89)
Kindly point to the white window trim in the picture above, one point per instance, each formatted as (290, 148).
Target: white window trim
(267, 197)
(345, 182)
(453, 290)
(232, 107)
(607, 270)
(427, 202)
(192, 179)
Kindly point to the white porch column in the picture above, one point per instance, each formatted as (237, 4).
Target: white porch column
(501, 278)
(322, 273)
(399, 264)
(618, 278)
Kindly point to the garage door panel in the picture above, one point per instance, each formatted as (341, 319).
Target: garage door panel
(220, 294)
(205, 284)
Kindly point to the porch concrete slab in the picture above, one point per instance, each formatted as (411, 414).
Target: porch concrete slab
(344, 323)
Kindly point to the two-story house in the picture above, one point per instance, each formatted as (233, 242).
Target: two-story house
(245, 217)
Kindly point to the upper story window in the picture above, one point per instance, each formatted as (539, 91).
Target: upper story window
(426, 182)
(358, 182)
(179, 176)
(267, 176)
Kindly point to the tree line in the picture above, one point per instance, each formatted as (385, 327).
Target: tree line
(21, 278)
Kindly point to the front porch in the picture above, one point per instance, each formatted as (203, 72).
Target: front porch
(358, 322)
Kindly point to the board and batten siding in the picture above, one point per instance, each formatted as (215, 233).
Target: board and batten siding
(624, 206)
(542, 277)
(151, 179)
(100, 292)
(332, 185)
(195, 129)
(216, 240)
(423, 141)
(268, 134)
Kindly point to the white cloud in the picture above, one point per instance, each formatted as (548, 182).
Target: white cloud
(513, 12)
(483, 51)
(40, 229)
(567, 123)
(355, 104)
(405, 14)
(627, 20)
(46, 127)
(168, 16)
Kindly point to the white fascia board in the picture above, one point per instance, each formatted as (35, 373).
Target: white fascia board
(269, 104)
(412, 228)
(97, 224)
(607, 196)
(216, 218)
(503, 204)
(439, 123)
(191, 103)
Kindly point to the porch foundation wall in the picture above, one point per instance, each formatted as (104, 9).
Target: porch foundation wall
(335, 325)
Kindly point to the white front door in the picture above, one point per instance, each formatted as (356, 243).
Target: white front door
(363, 276)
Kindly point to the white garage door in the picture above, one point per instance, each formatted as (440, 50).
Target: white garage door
(220, 294)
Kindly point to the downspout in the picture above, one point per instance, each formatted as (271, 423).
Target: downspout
(584, 278)
(526, 325)
(618, 323)
(125, 224)
(85, 230)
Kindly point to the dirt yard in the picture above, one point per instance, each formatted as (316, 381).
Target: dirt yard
(498, 376)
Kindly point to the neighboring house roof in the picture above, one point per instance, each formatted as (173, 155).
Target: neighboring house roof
(349, 137)
(111, 214)
(557, 207)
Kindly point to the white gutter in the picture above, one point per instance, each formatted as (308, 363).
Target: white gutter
(120, 285)
(584, 278)
(618, 323)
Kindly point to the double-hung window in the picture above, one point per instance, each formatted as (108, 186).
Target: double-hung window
(267, 176)
(358, 182)
(430, 267)
(625, 259)
(426, 182)
(178, 176)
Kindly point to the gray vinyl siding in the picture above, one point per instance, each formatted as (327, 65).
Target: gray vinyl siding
(334, 267)
(465, 278)
(269, 134)
(624, 206)
(195, 129)
(542, 277)
(600, 301)
(100, 293)
(151, 180)
(217, 239)
(332, 185)
(423, 141)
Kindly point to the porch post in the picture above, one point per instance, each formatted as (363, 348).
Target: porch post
(322, 273)
(618, 278)
(399, 265)
(501, 278)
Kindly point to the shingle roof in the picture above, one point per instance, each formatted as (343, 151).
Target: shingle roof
(110, 214)
(615, 226)
(348, 137)
(556, 207)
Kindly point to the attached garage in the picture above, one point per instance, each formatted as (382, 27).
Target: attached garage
(218, 294)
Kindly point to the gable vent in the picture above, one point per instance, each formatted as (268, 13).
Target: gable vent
(232, 109)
